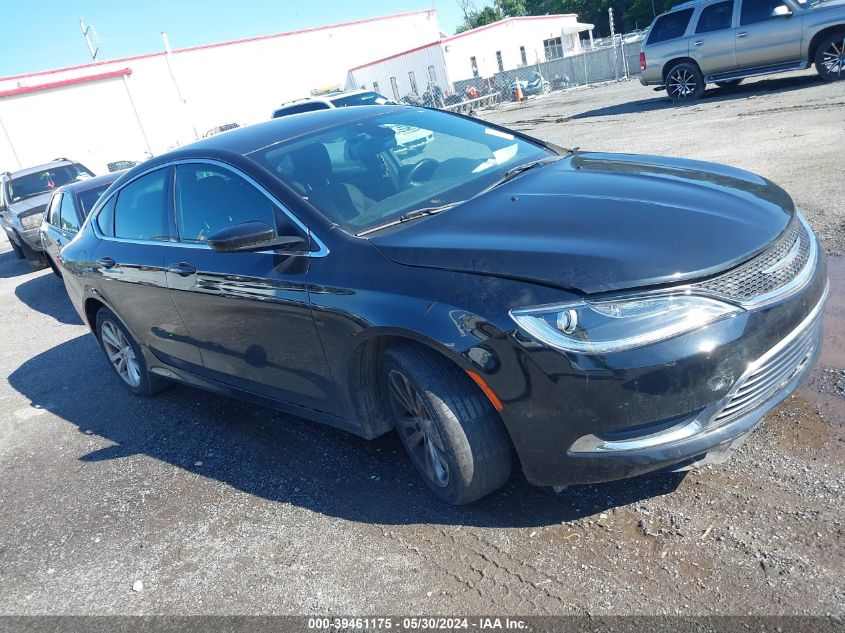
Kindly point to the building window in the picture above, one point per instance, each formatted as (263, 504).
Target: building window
(395, 86)
(499, 61)
(523, 56)
(474, 65)
(432, 75)
(375, 86)
(413, 81)
(553, 48)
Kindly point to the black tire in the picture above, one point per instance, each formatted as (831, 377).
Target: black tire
(728, 85)
(830, 57)
(53, 266)
(147, 383)
(684, 82)
(18, 251)
(476, 449)
(35, 259)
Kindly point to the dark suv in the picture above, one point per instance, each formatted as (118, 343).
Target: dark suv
(725, 41)
(24, 195)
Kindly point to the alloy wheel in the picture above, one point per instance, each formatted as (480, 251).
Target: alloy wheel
(418, 428)
(121, 354)
(682, 84)
(833, 58)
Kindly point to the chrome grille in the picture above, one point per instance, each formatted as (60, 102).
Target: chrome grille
(769, 271)
(769, 374)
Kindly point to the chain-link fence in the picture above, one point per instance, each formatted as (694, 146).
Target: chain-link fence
(619, 60)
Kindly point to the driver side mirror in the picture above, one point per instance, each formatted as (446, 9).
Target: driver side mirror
(251, 236)
(781, 11)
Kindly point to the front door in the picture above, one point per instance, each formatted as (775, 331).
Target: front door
(768, 34)
(247, 312)
(714, 40)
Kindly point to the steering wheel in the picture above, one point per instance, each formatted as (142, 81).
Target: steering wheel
(424, 168)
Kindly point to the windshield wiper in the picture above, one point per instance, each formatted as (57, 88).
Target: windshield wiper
(512, 173)
(416, 214)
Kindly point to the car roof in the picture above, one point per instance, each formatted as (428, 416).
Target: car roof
(91, 183)
(329, 96)
(247, 139)
(32, 170)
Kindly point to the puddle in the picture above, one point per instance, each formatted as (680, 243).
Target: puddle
(825, 389)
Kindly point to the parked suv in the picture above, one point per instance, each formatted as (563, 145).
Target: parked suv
(24, 196)
(725, 41)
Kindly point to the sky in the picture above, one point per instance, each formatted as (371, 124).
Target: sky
(45, 34)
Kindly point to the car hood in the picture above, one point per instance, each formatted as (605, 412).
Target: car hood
(602, 222)
(30, 205)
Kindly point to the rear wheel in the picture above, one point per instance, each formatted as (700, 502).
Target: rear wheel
(450, 430)
(830, 57)
(125, 355)
(684, 82)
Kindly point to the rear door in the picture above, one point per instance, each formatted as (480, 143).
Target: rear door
(248, 312)
(765, 39)
(714, 39)
(136, 233)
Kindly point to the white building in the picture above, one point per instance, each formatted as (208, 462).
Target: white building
(502, 46)
(127, 108)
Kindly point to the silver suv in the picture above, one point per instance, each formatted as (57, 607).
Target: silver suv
(24, 195)
(725, 41)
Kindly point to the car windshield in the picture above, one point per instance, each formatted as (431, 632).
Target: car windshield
(44, 181)
(369, 172)
(361, 98)
(89, 197)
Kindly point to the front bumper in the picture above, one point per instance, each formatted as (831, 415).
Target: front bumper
(579, 418)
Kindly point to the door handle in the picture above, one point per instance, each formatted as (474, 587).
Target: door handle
(698, 43)
(183, 269)
(742, 34)
(106, 262)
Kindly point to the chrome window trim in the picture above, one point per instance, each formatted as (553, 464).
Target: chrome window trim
(322, 250)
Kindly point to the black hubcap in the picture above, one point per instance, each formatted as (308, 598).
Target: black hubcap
(681, 83)
(415, 424)
(833, 58)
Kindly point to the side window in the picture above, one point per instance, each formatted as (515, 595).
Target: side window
(105, 218)
(210, 198)
(716, 17)
(670, 26)
(757, 10)
(53, 211)
(141, 209)
(68, 214)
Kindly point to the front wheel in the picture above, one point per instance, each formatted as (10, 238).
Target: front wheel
(125, 355)
(684, 82)
(830, 57)
(450, 430)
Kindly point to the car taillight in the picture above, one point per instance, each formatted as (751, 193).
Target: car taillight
(642, 60)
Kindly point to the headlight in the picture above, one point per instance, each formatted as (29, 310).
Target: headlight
(602, 327)
(32, 221)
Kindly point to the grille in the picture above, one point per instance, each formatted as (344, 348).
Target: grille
(768, 272)
(769, 374)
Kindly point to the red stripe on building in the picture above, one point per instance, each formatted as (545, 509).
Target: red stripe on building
(389, 57)
(258, 38)
(66, 82)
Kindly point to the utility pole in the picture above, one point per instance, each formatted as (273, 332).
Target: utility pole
(92, 41)
(613, 41)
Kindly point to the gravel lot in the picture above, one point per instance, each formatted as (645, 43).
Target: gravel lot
(216, 506)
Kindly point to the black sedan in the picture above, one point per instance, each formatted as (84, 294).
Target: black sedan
(493, 299)
(66, 212)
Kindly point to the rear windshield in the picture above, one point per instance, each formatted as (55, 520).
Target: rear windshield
(309, 106)
(35, 184)
(670, 26)
(89, 197)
